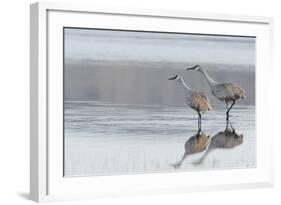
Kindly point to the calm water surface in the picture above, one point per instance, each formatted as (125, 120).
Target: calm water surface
(104, 139)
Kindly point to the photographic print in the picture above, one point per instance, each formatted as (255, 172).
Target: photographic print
(145, 102)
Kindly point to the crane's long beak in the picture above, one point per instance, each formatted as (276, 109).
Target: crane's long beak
(192, 68)
(173, 78)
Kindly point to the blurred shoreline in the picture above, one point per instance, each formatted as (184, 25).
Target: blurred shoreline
(147, 82)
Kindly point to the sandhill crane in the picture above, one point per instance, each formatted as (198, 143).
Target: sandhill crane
(195, 144)
(196, 100)
(226, 92)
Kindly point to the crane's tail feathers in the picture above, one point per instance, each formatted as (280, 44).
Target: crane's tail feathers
(243, 94)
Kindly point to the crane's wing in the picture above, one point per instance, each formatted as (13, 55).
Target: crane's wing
(220, 91)
(203, 96)
(228, 91)
(200, 102)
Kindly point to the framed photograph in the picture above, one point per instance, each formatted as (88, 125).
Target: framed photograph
(129, 102)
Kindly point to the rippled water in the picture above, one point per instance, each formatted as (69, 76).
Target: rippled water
(104, 139)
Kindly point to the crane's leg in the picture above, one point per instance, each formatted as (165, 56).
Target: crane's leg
(226, 110)
(199, 122)
(227, 123)
(227, 113)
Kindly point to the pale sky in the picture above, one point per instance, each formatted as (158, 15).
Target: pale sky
(111, 45)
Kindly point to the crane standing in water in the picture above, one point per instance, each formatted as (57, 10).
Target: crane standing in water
(196, 100)
(227, 92)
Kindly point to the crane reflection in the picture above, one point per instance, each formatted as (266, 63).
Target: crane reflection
(226, 139)
(195, 144)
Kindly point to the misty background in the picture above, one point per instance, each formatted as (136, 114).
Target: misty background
(126, 67)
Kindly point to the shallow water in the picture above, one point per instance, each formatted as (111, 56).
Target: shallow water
(104, 139)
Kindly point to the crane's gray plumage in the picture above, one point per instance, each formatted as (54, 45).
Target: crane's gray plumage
(227, 92)
(199, 102)
(196, 100)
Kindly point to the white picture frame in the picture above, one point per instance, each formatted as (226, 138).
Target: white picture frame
(46, 179)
